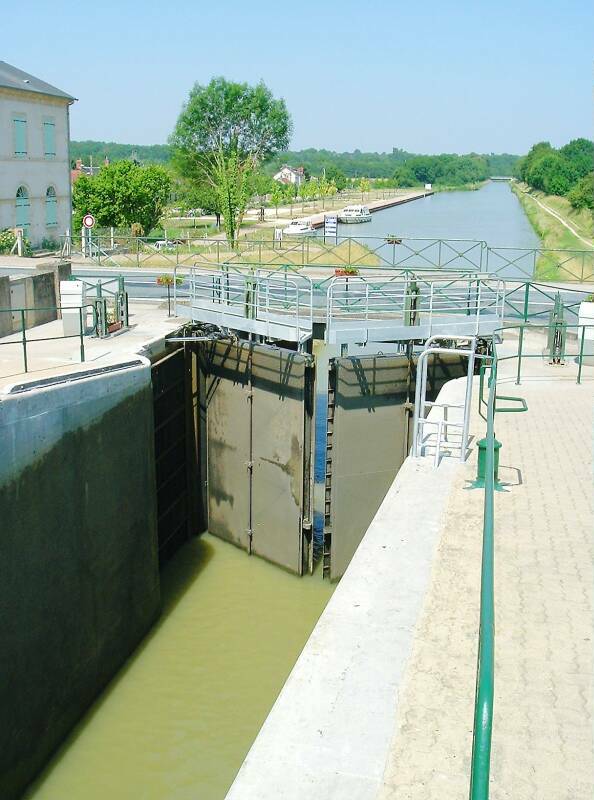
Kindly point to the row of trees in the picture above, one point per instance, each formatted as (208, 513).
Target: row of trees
(336, 166)
(566, 171)
(445, 170)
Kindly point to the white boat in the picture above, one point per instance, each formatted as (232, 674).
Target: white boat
(299, 227)
(354, 214)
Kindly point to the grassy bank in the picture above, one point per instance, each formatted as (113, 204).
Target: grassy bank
(575, 266)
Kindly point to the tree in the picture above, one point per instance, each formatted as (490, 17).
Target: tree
(336, 176)
(364, 187)
(122, 194)
(276, 195)
(224, 133)
(582, 194)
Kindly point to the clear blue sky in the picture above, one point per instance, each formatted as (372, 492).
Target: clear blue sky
(427, 76)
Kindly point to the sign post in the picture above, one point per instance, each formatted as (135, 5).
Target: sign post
(88, 223)
(331, 227)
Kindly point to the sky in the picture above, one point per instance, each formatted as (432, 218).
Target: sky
(427, 77)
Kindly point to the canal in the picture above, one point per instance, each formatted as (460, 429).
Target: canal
(179, 718)
(492, 214)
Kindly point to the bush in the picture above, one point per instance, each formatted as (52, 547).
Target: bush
(7, 240)
(582, 194)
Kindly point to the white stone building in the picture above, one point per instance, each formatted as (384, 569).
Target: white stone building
(288, 174)
(34, 156)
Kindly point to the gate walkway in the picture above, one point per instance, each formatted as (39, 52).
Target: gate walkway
(380, 703)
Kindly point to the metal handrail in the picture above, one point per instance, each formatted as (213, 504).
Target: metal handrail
(24, 341)
(485, 680)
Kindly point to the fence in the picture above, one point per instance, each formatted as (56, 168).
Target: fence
(24, 341)
(391, 251)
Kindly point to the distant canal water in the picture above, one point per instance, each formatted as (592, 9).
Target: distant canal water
(492, 214)
(179, 718)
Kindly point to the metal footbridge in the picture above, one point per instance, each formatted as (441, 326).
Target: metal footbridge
(393, 306)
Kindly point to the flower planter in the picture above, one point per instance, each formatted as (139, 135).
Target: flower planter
(113, 327)
(348, 273)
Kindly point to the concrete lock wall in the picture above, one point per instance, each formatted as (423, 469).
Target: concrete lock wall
(40, 292)
(79, 584)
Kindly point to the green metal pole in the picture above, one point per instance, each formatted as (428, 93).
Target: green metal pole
(526, 299)
(485, 684)
(81, 334)
(24, 336)
(520, 348)
(581, 355)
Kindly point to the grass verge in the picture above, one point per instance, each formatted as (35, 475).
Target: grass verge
(575, 265)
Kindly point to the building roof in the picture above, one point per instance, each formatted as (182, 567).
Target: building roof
(13, 78)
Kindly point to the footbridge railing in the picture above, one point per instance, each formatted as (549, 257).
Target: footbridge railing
(388, 251)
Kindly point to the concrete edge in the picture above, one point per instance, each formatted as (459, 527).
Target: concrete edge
(330, 730)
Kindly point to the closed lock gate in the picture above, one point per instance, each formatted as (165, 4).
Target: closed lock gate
(258, 406)
(369, 430)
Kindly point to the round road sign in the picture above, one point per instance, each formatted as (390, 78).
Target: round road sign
(88, 220)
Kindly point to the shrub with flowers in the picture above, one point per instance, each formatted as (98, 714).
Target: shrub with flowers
(7, 241)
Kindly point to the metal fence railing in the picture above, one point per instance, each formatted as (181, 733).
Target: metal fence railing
(389, 251)
(25, 341)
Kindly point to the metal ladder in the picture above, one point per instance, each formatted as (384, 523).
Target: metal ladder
(422, 405)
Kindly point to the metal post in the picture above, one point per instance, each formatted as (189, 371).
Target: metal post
(526, 299)
(520, 346)
(24, 339)
(581, 355)
(467, 402)
(81, 334)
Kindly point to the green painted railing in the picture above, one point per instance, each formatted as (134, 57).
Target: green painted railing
(24, 341)
(485, 681)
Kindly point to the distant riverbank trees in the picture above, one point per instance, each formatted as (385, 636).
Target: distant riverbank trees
(567, 171)
(446, 170)
(224, 133)
(338, 167)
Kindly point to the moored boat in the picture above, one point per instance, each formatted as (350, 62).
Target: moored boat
(299, 227)
(354, 214)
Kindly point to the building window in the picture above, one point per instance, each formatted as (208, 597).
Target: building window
(22, 207)
(51, 207)
(19, 123)
(49, 138)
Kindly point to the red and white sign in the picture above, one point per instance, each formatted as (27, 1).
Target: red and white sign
(88, 220)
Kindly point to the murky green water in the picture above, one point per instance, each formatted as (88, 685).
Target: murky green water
(178, 719)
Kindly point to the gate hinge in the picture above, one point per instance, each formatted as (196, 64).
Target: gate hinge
(250, 466)
(306, 524)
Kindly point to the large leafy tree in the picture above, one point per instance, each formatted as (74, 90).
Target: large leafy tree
(122, 194)
(223, 134)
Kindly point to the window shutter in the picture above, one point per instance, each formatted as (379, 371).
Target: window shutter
(49, 138)
(51, 207)
(20, 136)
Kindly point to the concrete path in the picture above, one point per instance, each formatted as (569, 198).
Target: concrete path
(148, 322)
(542, 738)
